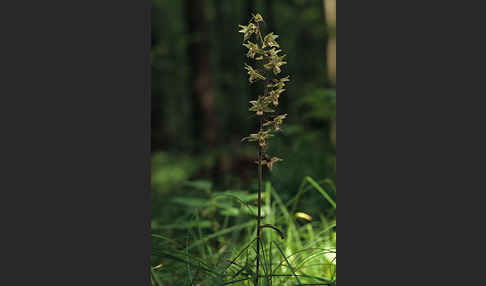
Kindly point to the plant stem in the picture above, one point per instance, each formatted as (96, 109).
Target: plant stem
(260, 171)
(260, 179)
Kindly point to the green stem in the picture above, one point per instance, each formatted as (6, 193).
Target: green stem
(260, 175)
(260, 179)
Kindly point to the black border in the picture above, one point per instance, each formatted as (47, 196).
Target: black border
(75, 118)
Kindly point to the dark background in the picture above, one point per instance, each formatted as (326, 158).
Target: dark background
(75, 147)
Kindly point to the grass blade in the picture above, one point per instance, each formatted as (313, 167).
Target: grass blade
(221, 232)
(288, 263)
(321, 190)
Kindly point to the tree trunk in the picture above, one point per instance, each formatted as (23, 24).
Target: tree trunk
(205, 120)
(329, 7)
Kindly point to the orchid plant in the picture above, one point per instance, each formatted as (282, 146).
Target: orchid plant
(264, 52)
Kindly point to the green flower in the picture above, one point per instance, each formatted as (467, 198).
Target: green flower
(262, 136)
(269, 162)
(276, 122)
(269, 41)
(257, 18)
(275, 61)
(275, 94)
(272, 53)
(279, 83)
(248, 30)
(253, 49)
(261, 105)
(272, 161)
(259, 137)
(253, 74)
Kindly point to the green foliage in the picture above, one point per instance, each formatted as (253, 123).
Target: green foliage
(319, 104)
(310, 154)
(168, 170)
(222, 254)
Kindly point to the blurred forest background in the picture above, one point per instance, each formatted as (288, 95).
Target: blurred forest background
(200, 97)
(200, 94)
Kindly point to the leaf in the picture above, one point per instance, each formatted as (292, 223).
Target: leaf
(200, 185)
(201, 224)
(288, 263)
(244, 196)
(321, 190)
(230, 212)
(191, 202)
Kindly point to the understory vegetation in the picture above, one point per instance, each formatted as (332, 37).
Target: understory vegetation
(211, 240)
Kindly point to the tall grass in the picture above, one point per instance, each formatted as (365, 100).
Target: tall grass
(219, 233)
